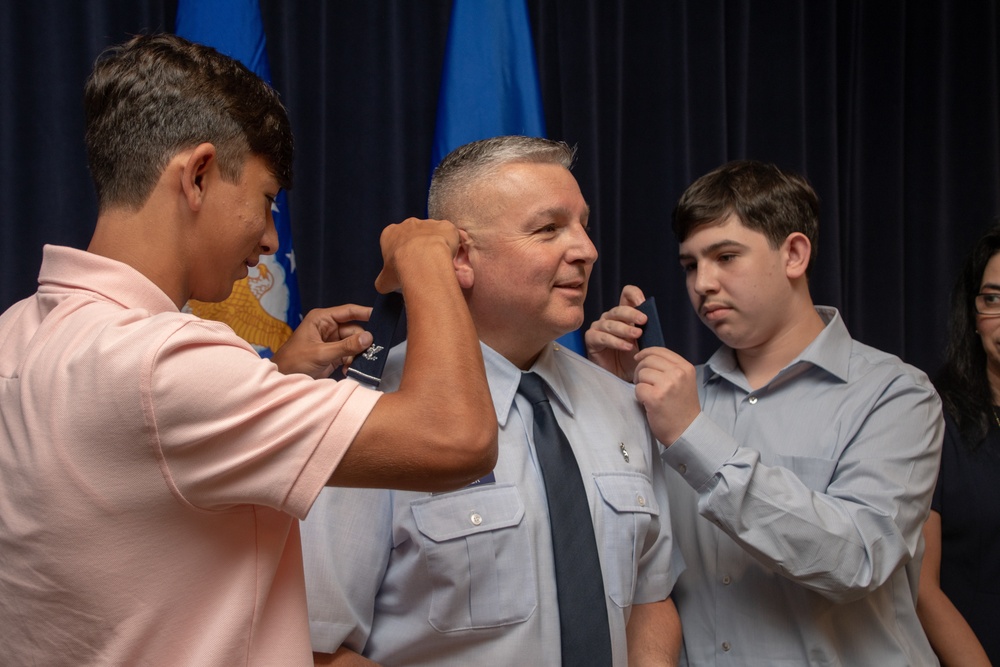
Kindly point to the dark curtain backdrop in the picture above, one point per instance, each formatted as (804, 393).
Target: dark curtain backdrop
(889, 107)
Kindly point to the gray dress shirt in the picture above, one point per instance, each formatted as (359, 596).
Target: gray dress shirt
(466, 577)
(799, 506)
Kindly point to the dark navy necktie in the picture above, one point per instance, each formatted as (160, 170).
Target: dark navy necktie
(583, 613)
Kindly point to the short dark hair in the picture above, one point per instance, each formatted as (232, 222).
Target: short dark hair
(765, 199)
(962, 382)
(468, 163)
(155, 95)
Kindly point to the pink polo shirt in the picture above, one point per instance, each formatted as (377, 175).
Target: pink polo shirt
(152, 467)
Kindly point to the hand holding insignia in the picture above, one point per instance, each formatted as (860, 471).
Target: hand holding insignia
(611, 340)
(326, 339)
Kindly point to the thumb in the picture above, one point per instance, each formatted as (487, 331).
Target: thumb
(342, 352)
(631, 296)
(348, 348)
(353, 346)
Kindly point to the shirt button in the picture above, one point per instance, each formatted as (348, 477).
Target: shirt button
(475, 519)
(726, 646)
(641, 501)
(682, 468)
(753, 400)
(727, 580)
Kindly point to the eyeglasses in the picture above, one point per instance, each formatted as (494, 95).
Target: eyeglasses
(988, 304)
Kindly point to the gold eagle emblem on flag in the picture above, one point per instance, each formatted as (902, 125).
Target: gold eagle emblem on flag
(243, 312)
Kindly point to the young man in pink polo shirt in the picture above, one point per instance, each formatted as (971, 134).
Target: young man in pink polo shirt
(152, 466)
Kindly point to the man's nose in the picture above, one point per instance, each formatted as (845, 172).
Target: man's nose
(583, 249)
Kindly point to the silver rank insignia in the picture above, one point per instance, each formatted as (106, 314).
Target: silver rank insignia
(371, 354)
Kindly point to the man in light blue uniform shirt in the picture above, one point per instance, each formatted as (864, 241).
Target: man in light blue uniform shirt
(801, 463)
(467, 577)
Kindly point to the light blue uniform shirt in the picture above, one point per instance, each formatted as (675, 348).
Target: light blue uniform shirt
(466, 578)
(812, 492)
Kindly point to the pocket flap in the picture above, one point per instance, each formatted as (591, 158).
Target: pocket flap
(627, 492)
(467, 512)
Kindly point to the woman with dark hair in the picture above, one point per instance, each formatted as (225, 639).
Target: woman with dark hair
(959, 596)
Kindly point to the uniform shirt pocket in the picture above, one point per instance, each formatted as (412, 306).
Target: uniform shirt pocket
(478, 557)
(625, 515)
(815, 473)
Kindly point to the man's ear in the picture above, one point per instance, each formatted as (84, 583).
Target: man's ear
(463, 267)
(195, 167)
(798, 250)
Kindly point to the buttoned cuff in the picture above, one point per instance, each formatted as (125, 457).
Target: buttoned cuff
(700, 452)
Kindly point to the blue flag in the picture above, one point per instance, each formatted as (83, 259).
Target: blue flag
(265, 306)
(489, 85)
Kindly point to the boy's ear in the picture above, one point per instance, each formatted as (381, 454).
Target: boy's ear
(195, 168)
(798, 250)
